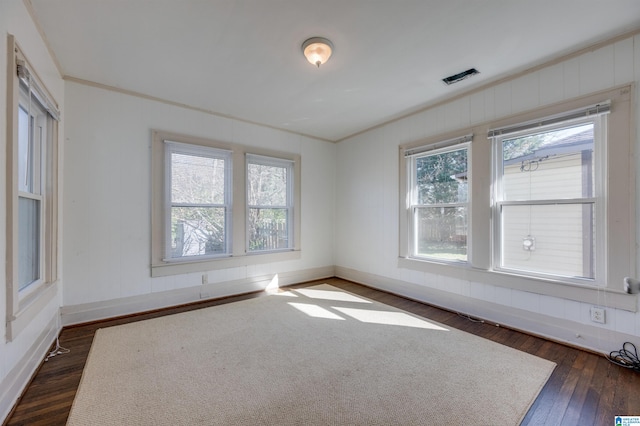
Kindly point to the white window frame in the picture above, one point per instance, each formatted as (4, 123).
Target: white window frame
(36, 173)
(288, 165)
(172, 147)
(237, 255)
(412, 155)
(23, 305)
(619, 198)
(599, 122)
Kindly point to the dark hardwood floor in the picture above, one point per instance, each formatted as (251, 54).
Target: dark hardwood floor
(584, 389)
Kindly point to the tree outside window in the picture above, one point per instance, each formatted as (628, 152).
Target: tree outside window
(440, 204)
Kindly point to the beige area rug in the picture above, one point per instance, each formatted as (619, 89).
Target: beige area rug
(314, 356)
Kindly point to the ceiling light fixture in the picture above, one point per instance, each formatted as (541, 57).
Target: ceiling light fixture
(317, 50)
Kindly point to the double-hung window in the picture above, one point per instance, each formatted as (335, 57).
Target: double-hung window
(548, 196)
(438, 208)
(198, 201)
(32, 130)
(269, 203)
(218, 205)
(31, 193)
(550, 209)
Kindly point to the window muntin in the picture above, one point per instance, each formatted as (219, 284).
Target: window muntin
(269, 203)
(198, 201)
(439, 182)
(548, 212)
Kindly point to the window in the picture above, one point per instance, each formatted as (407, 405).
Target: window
(198, 201)
(549, 209)
(269, 203)
(32, 130)
(439, 201)
(217, 205)
(31, 194)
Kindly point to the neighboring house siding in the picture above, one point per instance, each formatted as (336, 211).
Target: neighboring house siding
(562, 174)
(557, 230)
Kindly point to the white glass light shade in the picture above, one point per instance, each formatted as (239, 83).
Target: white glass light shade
(317, 50)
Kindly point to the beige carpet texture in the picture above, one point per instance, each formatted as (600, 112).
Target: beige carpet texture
(312, 356)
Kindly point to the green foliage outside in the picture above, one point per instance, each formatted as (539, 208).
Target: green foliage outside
(442, 181)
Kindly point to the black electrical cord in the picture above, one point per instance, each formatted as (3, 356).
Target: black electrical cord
(626, 357)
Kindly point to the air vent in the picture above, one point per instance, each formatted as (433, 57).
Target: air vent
(461, 76)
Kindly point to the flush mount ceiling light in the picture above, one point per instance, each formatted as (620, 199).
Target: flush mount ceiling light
(317, 50)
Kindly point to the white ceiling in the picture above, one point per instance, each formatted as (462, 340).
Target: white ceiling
(242, 58)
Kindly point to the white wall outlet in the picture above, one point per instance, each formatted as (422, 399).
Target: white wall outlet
(598, 315)
(205, 279)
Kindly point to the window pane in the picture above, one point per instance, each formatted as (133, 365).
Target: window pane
(268, 229)
(28, 241)
(197, 231)
(442, 178)
(196, 179)
(557, 164)
(549, 239)
(441, 232)
(266, 185)
(25, 153)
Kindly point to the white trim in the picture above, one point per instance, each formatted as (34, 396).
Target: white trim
(22, 306)
(237, 173)
(36, 173)
(544, 286)
(594, 115)
(18, 378)
(170, 148)
(590, 337)
(219, 263)
(30, 306)
(620, 192)
(76, 314)
(289, 207)
(450, 145)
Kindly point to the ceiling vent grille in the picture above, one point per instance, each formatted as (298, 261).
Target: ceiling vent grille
(460, 76)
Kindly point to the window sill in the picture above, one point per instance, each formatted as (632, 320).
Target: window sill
(211, 264)
(29, 308)
(591, 294)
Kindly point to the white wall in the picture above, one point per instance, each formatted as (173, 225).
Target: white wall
(20, 357)
(107, 205)
(368, 202)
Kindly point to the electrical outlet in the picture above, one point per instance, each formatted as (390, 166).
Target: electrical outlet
(205, 279)
(598, 315)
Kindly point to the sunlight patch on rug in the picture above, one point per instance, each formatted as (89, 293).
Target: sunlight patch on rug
(312, 356)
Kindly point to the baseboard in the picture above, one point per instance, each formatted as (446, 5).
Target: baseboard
(15, 382)
(87, 312)
(590, 338)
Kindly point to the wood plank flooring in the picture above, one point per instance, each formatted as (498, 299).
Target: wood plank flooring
(584, 389)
